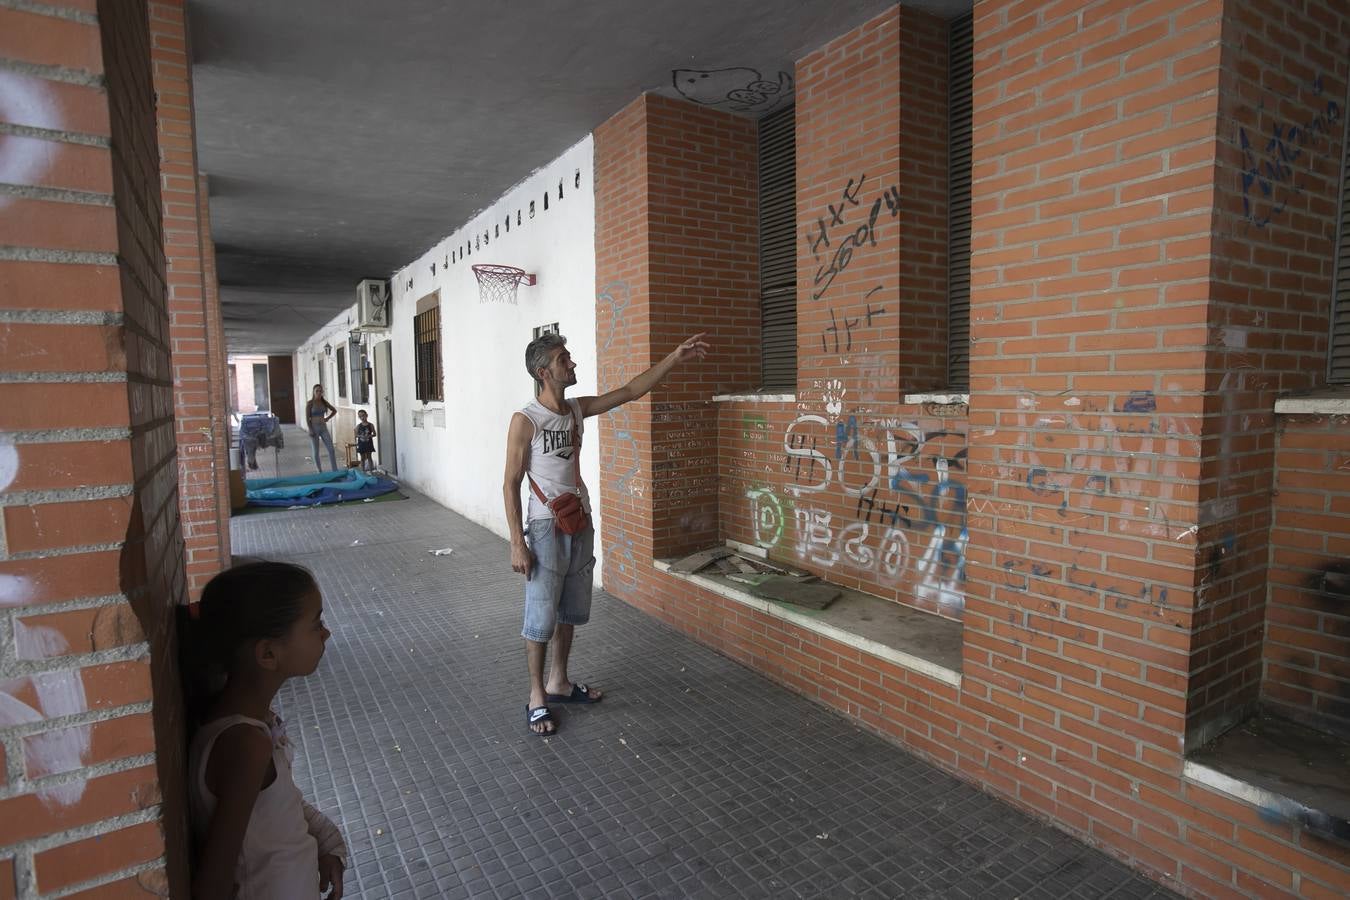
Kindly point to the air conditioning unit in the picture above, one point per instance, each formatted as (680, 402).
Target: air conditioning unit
(372, 303)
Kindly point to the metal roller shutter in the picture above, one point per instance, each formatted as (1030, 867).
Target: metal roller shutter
(960, 55)
(1340, 297)
(777, 250)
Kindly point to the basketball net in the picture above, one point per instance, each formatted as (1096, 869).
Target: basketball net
(498, 284)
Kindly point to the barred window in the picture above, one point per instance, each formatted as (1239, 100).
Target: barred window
(427, 348)
(356, 356)
(342, 372)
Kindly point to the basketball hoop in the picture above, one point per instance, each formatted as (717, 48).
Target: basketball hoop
(497, 284)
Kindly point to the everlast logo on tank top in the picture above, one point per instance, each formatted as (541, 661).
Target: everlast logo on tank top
(558, 440)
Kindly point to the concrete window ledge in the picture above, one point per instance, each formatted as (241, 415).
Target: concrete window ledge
(1320, 403)
(1287, 771)
(914, 640)
(755, 398)
(938, 397)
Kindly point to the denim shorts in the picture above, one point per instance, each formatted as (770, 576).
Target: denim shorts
(559, 586)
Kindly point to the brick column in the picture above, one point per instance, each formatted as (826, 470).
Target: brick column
(848, 254)
(91, 565)
(1093, 173)
(200, 405)
(676, 207)
(218, 380)
(1280, 130)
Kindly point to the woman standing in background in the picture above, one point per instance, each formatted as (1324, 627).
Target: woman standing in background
(317, 413)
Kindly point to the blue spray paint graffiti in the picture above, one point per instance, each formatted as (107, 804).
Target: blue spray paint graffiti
(1272, 168)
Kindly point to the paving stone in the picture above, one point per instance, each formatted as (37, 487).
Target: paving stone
(695, 777)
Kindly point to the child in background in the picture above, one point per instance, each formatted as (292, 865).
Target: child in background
(258, 624)
(365, 441)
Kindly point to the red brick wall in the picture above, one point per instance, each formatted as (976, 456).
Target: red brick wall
(91, 517)
(849, 481)
(622, 342)
(200, 406)
(1267, 323)
(218, 380)
(1307, 623)
(1087, 370)
(922, 130)
(1284, 71)
(677, 239)
(702, 275)
(1093, 430)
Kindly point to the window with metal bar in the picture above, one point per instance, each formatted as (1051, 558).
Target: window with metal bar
(960, 61)
(777, 250)
(427, 349)
(342, 372)
(356, 357)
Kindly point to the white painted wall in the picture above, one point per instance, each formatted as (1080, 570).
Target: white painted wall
(457, 452)
(307, 361)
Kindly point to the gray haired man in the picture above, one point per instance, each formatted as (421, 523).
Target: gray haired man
(543, 445)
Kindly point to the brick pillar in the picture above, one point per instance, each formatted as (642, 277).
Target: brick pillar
(676, 207)
(848, 256)
(1093, 175)
(91, 564)
(1280, 132)
(218, 380)
(200, 405)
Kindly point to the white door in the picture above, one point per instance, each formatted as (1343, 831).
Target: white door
(384, 407)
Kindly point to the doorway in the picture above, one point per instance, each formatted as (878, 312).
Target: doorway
(280, 382)
(384, 407)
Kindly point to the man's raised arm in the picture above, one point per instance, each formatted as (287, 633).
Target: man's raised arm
(694, 348)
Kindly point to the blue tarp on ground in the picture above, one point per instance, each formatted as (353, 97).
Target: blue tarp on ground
(320, 487)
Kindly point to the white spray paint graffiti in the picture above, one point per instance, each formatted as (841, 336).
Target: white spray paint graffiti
(9, 464)
(894, 496)
(59, 694)
(620, 563)
(618, 295)
(766, 516)
(1137, 466)
(26, 100)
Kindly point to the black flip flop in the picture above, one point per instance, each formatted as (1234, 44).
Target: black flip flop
(580, 694)
(536, 715)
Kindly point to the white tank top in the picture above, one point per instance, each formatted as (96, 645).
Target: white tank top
(551, 463)
(280, 858)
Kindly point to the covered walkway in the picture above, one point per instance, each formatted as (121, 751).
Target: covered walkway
(696, 777)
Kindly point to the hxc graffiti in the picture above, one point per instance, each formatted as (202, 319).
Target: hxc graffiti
(864, 235)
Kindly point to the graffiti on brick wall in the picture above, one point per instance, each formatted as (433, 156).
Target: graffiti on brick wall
(767, 516)
(1123, 462)
(44, 696)
(739, 88)
(620, 455)
(837, 337)
(903, 479)
(1104, 455)
(626, 481)
(1274, 161)
(27, 101)
(834, 256)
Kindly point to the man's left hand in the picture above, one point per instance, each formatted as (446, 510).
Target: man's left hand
(330, 873)
(694, 348)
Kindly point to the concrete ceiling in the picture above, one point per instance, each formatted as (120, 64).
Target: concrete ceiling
(342, 139)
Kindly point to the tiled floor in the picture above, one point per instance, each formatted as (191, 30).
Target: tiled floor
(695, 777)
